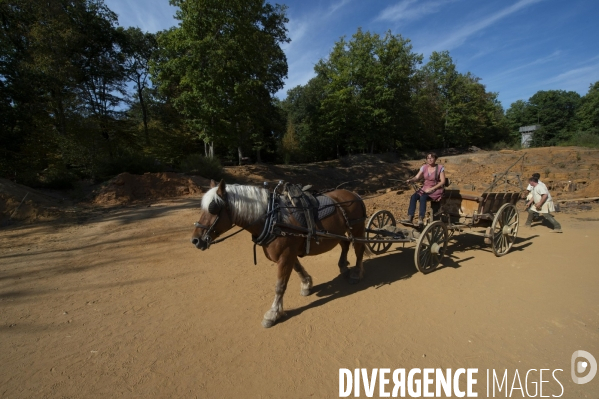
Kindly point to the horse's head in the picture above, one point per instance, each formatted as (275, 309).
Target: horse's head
(215, 218)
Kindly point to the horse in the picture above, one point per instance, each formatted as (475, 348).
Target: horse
(224, 206)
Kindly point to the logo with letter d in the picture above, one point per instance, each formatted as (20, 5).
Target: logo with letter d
(582, 365)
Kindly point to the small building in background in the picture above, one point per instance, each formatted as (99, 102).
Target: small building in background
(527, 133)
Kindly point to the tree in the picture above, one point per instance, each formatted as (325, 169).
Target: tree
(54, 76)
(102, 87)
(588, 113)
(302, 108)
(455, 109)
(367, 100)
(222, 65)
(554, 110)
(517, 116)
(139, 48)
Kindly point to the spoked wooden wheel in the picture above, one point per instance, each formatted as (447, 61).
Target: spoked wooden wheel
(430, 247)
(380, 220)
(504, 229)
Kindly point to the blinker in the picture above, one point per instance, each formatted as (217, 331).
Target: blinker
(214, 208)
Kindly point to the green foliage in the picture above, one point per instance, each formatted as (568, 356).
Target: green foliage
(58, 178)
(302, 108)
(589, 138)
(197, 164)
(62, 71)
(587, 114)
(139, 48)
(290, 148)
(360, 99)
(134, 163)
(222, 65)
(368, 103)
(66, 69)
(369, 96)
(554, 110)
(454, 108)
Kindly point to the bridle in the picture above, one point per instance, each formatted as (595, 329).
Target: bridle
(207, 230)
(214, 208)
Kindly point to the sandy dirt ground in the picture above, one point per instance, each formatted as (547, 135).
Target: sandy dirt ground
(118, 303)
(122, 305)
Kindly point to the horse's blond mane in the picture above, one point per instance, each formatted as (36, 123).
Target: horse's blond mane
(247, 203)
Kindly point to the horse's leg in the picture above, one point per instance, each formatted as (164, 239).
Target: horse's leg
(284, 267)
(306, 283)
(343, 262)
(358, 272)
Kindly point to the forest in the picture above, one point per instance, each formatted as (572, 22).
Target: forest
(83, 98)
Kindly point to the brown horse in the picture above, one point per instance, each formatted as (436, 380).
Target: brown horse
(246, 206)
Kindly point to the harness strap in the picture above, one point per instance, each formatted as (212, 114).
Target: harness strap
(224, 238)
(266, 235)
(309, 221)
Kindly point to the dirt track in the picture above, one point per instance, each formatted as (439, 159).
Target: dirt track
(122, 305)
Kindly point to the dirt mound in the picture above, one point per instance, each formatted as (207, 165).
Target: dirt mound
(127, 188)
(22, 203)
(569, 172)
(590, 190)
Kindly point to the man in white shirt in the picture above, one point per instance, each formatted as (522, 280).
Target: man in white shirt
(530, 187)
(540, 202)
(536, 216)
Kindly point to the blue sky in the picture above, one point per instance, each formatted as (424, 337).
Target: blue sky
(517, 47)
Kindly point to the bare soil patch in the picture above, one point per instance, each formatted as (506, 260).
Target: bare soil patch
(114, 300)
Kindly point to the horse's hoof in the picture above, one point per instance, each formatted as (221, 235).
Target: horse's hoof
(305, 292)
(268, 323)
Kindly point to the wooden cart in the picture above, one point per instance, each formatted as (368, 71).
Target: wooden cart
(457, 211)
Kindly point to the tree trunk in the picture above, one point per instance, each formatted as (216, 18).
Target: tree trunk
(144, 111)
(258, 157)
(240, 154)
(209, 149)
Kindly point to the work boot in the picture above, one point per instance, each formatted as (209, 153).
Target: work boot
(408, 220)
(529, 218)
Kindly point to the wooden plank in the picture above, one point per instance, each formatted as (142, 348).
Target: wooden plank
(579, 199)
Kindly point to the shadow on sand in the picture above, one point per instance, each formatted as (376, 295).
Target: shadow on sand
(394, 266)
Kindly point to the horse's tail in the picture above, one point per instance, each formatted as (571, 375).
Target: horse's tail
(367, 250)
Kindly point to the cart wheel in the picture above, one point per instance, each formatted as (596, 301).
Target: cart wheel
(430, 247)
(378, 221)
(504, 229)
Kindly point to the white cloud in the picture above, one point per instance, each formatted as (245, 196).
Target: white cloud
(540, 61)
(409, 10)
(576, 78)
(458, 37)
(336, 6)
